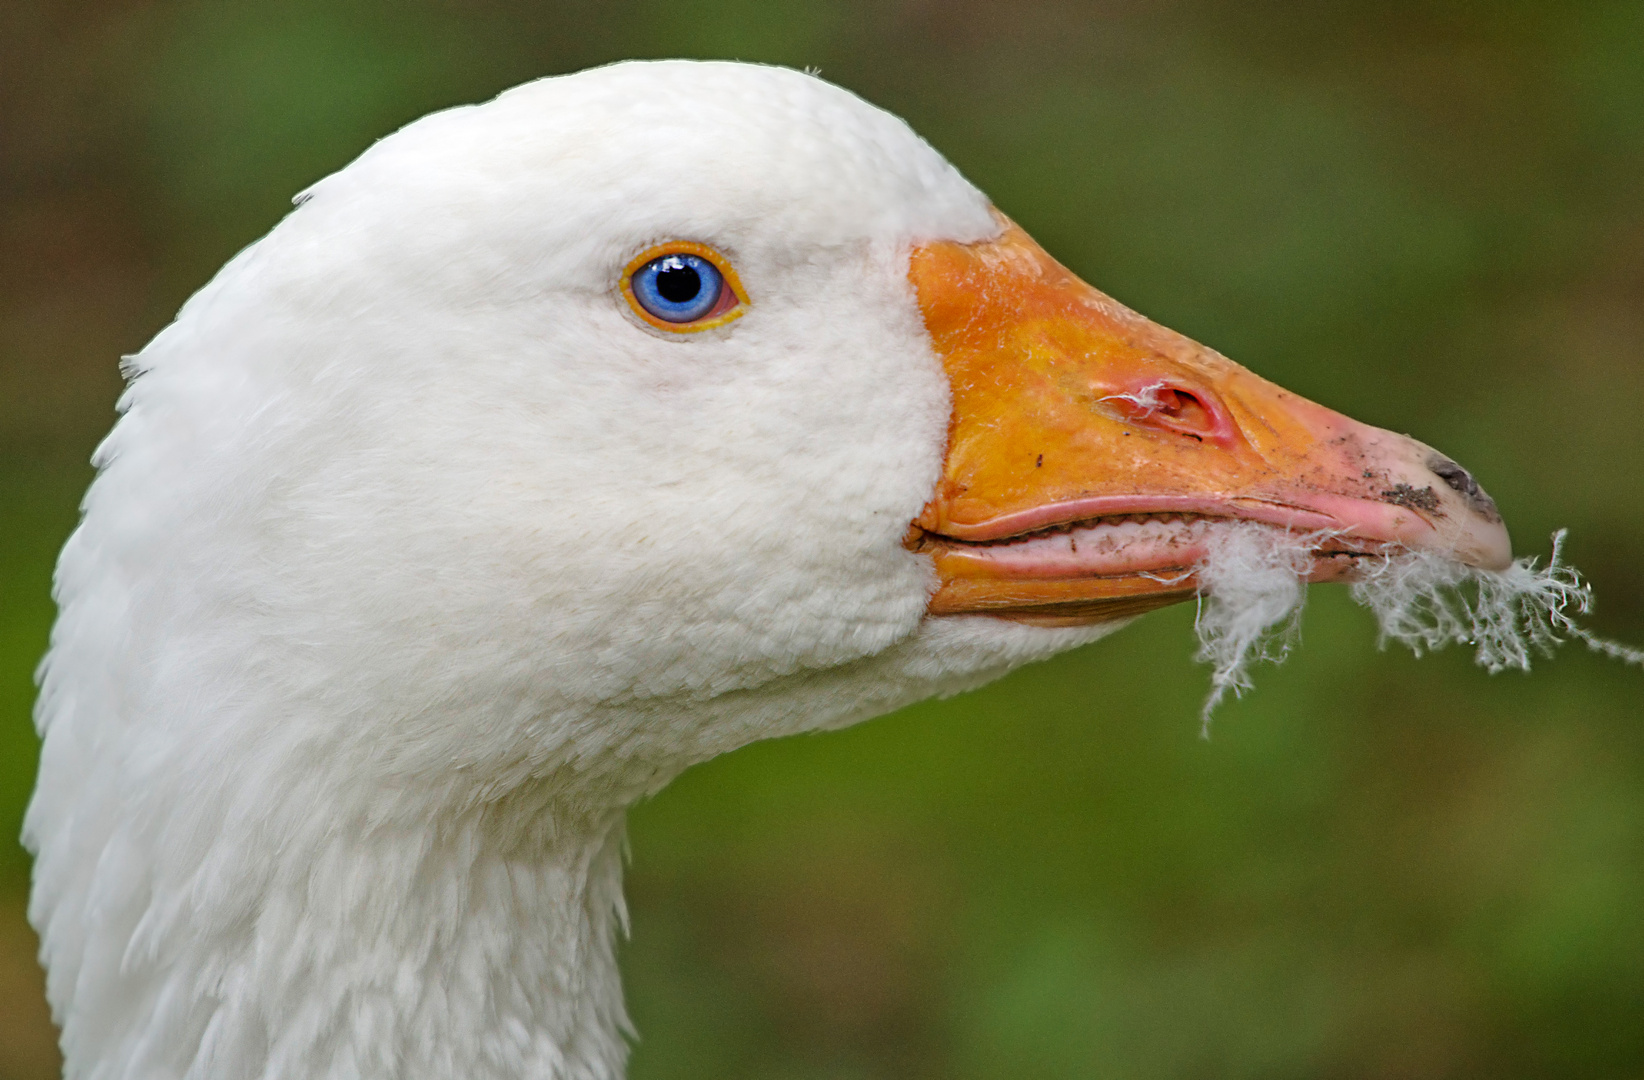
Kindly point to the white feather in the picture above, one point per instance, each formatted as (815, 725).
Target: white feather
(1252, 585)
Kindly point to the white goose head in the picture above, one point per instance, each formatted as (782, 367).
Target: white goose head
(425, 546)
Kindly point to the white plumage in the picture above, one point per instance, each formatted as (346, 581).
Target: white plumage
(415, 559)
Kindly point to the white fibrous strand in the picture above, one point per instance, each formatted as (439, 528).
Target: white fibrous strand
(1147, 400)
(1426, 602)
(1252, 586)
(1252, 583)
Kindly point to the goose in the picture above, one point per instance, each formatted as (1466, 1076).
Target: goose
(552, 446)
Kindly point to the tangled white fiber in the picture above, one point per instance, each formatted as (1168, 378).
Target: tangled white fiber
(1252, 586)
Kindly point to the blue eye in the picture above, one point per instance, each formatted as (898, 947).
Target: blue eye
(678, 288)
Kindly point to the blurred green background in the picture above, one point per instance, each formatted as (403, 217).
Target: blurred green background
(1430, 215)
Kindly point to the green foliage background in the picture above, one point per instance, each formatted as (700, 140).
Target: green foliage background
(1429, 215)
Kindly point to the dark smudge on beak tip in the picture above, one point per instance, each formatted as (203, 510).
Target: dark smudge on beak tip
(1462, 483)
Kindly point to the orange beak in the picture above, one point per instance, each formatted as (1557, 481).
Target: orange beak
(1090, 452)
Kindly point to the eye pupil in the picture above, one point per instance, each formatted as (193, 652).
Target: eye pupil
(678, 283)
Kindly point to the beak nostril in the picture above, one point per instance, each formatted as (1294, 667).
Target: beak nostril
(1184, 408)
(1172, 408)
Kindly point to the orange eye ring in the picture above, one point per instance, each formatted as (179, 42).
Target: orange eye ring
(731, 304)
